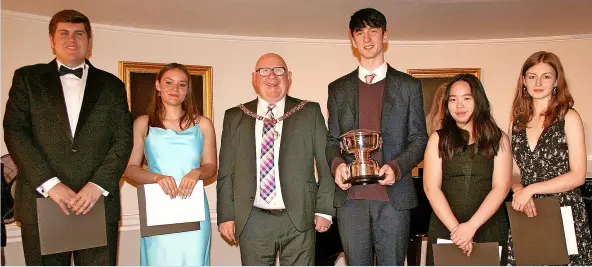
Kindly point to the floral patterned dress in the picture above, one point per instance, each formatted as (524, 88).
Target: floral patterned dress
(549, 159)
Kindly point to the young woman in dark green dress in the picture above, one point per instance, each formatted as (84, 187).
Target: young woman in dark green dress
(468, 167)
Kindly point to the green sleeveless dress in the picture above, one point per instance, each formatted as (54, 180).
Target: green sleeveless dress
(466, 181)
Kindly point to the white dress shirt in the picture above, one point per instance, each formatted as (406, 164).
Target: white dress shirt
(380, 73)
(278, 111)
(73, 88)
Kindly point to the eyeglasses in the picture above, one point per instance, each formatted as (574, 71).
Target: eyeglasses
(278, 71)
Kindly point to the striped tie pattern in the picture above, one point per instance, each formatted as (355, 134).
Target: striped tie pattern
(266, 168)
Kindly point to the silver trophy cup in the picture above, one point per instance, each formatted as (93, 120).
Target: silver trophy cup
(361, 143)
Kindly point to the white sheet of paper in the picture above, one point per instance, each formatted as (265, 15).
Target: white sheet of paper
(162, 210)
(569, 230)
(448, 241)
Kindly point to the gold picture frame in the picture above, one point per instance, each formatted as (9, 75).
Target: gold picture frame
(139, 78)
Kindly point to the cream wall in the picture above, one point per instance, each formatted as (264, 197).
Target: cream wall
(314, 64)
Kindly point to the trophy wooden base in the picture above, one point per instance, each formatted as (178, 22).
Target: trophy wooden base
(364, 179)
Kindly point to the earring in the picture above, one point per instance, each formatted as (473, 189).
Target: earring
(554, 90)
(524, 89)
(158, 93)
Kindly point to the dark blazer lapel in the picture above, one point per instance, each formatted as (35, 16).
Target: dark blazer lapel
(55, 94)
(92, 91)
(352, 90)
(288, 129)
(246, 126)
(390, 86)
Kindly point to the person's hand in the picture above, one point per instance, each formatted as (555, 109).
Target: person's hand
(389, 175)
(321, 224)
(85, 199)
(227, 230)
(530, 209)
(168, 184)
(341, 174)
(61, 195)
(468, 249)
(520, 200)
(188, 183)
(462, 235)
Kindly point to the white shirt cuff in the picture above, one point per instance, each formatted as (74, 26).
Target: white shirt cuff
(328, 217)
(48, 185)
(104, 192)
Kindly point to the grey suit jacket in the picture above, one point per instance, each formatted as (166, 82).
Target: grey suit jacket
(303, 142)
(402, 124)
(37, 134)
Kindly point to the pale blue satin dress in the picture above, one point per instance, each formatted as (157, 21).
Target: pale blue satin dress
(175, 154)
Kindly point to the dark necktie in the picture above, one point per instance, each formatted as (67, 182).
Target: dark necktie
(64, 70)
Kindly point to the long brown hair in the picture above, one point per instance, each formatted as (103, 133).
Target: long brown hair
(560, 102)
(436, 114)
(157, 112)
(486, 133)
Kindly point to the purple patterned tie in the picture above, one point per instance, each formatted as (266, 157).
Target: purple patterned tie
(266, 168)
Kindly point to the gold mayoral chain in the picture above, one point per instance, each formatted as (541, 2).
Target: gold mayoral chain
(273, 121)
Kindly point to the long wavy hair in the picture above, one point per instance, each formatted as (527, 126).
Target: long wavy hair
(436, 113)
(486, 133)
(561, 100)
(157, 111)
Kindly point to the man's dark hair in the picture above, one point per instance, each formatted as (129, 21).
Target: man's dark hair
(367, 17)
(69, 16)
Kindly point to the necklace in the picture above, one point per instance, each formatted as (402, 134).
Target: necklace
(273, 121)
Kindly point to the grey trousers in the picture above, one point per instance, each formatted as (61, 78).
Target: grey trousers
(268, 233)
(373, 232)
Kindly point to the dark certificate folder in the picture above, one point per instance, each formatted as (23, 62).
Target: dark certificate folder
(483, 254)
(59, 232)
(539, 240)
(146, 230)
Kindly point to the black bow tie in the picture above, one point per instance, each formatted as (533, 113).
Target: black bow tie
(64, 70)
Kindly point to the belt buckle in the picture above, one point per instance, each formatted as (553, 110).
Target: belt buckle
(272, 211)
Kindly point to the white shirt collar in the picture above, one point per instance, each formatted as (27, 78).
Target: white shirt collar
(262, 107)
(83, 65)
(380, 73)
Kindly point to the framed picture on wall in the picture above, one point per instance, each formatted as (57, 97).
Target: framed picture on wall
(139, 78)
(431, 79)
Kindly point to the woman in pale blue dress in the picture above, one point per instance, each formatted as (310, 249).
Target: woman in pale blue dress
(180, 148)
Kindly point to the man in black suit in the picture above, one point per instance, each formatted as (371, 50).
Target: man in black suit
(69, 131)
(374, 219)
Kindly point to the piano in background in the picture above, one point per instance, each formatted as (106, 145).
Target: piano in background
(420, 222)
(587, 196)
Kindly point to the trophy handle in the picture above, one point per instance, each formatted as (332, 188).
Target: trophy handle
(341, 145)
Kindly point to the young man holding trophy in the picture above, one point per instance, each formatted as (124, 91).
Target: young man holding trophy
(377, 135)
